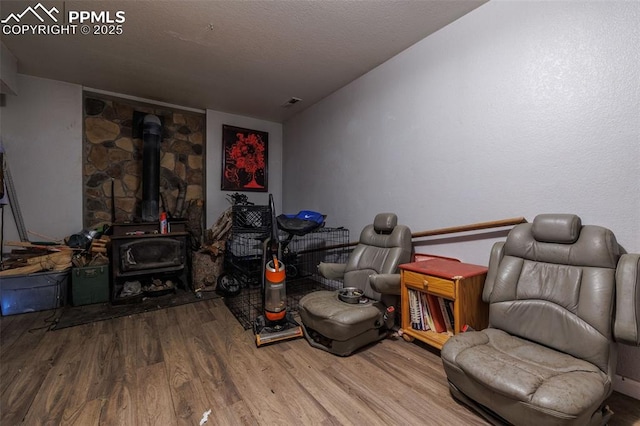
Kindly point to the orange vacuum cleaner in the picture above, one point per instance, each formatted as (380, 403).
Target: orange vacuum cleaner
(276, 324)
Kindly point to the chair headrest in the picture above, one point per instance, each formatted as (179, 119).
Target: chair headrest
(562, 239)
(556, 228)
(385, 222)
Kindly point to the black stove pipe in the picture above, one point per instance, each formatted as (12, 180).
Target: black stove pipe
(151, 137)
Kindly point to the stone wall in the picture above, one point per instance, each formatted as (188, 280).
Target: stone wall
(112, 158)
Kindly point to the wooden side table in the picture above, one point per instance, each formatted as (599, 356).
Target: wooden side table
(461, 283)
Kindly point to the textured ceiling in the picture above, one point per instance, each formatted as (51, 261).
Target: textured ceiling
(242, 57)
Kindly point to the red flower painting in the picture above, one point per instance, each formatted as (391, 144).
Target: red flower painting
(244, 159)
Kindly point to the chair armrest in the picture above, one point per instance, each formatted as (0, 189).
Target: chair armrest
(385, 283)
(332, 271)
(626, 328)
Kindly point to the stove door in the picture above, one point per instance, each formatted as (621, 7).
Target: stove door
(152, 254)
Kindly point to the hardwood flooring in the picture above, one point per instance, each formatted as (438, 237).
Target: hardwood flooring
(169, 367)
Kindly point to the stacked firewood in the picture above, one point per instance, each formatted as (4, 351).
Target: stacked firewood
(52, 255)
(36, 258)
(216, 237)
(99, 246)
(208, 262)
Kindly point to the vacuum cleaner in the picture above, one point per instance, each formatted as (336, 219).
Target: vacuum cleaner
(277, 323)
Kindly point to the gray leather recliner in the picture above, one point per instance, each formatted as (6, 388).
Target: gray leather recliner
(339, 327)
(560, 294)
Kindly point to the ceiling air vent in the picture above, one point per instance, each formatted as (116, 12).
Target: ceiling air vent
(291, 101)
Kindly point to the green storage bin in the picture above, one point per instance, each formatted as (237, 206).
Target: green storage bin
(90, 284)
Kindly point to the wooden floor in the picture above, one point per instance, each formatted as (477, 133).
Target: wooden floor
(169, 367)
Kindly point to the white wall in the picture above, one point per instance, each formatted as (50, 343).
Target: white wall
(516, 109)
(42, 135)
(8, 71)
(217, 202)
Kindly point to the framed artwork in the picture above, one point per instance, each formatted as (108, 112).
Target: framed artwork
(244, 159)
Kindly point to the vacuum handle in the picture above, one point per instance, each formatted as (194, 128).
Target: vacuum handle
(274, 220)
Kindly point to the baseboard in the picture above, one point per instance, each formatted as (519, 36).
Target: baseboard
(626, 386)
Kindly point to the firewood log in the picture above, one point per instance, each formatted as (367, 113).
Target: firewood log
(56, 261)
(54, 257)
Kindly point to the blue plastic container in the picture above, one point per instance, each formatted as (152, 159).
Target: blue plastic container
(20, 294)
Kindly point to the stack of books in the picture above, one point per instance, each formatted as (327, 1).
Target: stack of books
(429, 312)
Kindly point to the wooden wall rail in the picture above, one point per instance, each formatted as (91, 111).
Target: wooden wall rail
(471, 227)
(442, 231)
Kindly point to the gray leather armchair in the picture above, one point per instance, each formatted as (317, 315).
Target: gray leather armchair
(560, 294)
(339, 327)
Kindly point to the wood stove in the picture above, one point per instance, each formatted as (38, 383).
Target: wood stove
(144, 261)
(139, 252)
